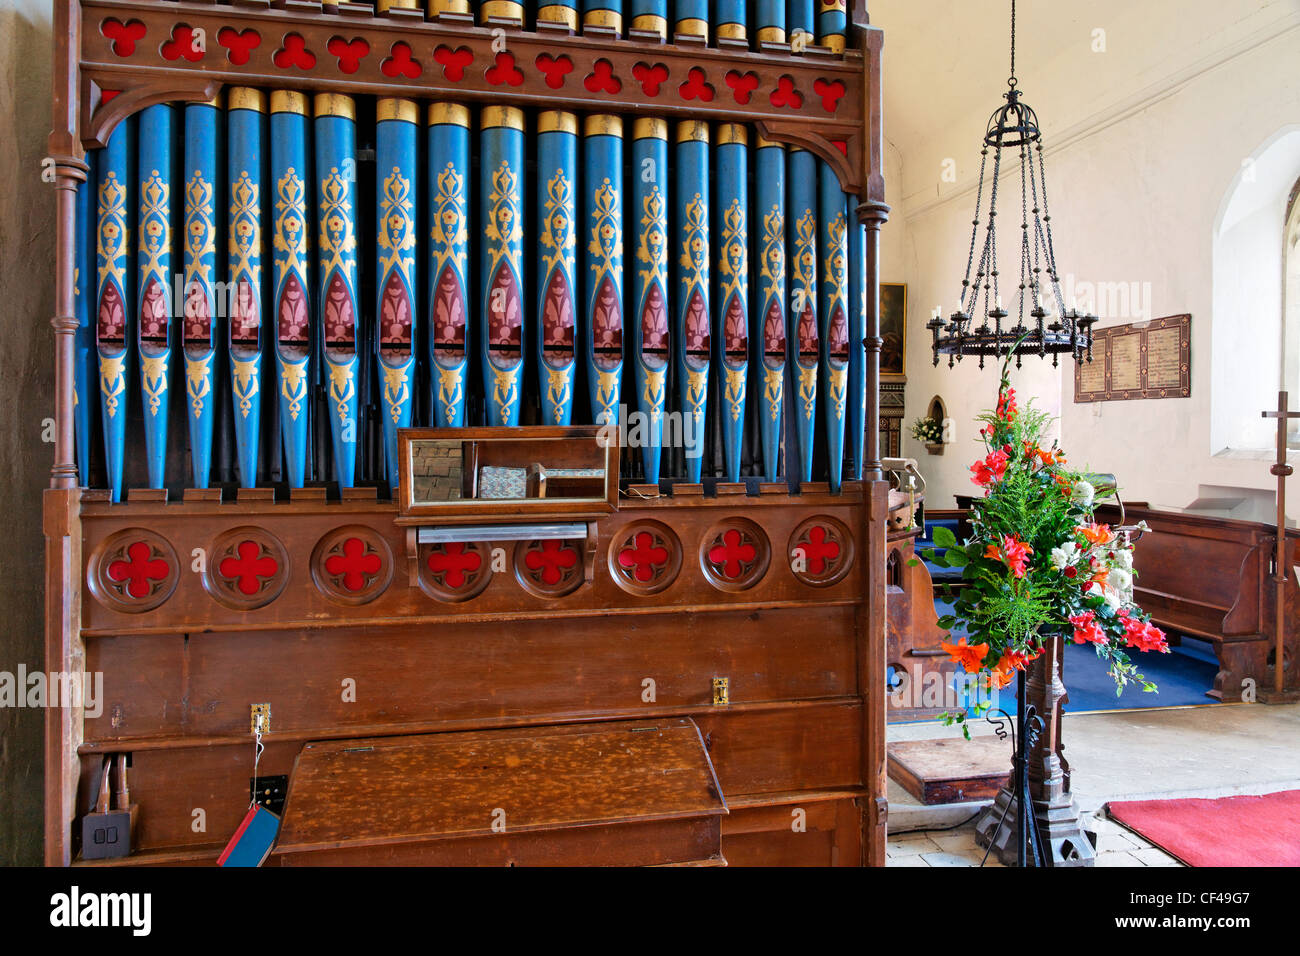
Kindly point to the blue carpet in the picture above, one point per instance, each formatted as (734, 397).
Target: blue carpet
(1182, 676)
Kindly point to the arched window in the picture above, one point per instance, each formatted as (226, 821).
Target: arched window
(1255, 331)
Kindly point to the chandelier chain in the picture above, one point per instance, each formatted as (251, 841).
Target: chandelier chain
(1012, 81)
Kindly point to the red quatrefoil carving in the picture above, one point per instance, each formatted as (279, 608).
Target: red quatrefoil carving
(695, 87)
(830, 91)
(602, 78)
(454, 62)
(294, 52)
(819, 549)
(732, 554)
(785, 94)
(504, 71)
(552, 560)
(124, 35)
(350, 53)
(401, 63)
(643, 557)
(182, 45)
(248, 569)
(742, 85)
(355, 565)
(138, 569)
(555, 68)
(454, 564)
(650, 76)
(239, 44)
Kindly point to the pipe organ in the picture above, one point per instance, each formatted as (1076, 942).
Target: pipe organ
(566, 312)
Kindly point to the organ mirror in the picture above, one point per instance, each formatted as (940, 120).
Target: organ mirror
(501, 471)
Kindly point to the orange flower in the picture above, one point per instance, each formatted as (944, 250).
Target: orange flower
(1096, 533)
(1001, 674)
(969, 656)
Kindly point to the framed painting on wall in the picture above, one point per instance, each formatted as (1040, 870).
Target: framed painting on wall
(893, 327)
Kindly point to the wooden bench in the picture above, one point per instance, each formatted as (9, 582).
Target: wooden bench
(1212, 578)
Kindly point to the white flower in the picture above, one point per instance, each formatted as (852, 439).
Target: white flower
(1113, 598)
(1123, 559)
(1122, 581)
(1084, 493)
(1065, 555)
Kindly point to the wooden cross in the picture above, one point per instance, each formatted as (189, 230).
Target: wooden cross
(1282, 470)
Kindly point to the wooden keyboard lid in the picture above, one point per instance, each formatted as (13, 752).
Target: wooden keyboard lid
(435, 786)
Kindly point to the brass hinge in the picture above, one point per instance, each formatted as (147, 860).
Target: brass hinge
(720, 697)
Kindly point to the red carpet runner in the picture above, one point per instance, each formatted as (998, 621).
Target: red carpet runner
(1231, 831)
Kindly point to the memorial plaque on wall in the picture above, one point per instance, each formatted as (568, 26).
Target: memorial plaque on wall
(1147, 360)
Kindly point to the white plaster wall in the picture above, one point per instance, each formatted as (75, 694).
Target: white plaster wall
(1135, 198)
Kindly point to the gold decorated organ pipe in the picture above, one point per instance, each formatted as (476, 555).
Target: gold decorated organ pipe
(691, 18)
(801, 253)
(771, 314)
(449, 179)
(112, 289)
(198, 330)
(832, 310)
(397, 187)
(731, 324)
(691, 335)
(500, 10)
(770, 16)
(437, 7)
(557, 288)
(244, 110)
(650, 16)
(651, 351)
(857, 417)
(83, 389)
(336, 194)
(565, 13)
(832, 19)
(602, 191)
(154, 266)
(603, 14)
(801, 18)
(501, 277)
(291, 304)
(731, 19)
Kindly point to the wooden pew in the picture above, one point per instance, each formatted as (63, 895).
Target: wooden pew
(1212, 578)
(913, 635)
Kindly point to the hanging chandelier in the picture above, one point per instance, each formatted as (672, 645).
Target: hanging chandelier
(1042, 325)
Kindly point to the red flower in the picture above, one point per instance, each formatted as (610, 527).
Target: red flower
(1087, 630)
(1014, 554)
(991, 469)
(1007, 404)
(1143, 635)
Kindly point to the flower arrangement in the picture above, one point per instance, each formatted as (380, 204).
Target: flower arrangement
(1038, 565)
(928, 430)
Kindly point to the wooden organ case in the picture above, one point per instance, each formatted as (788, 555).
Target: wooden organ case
(489, 391)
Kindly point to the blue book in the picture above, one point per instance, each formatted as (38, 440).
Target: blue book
(253, 840)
